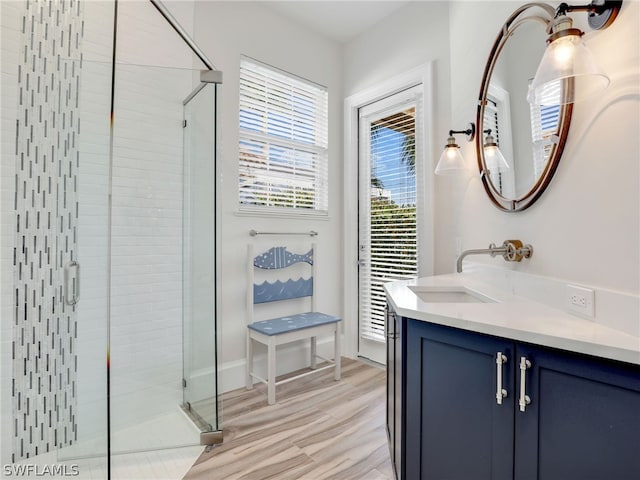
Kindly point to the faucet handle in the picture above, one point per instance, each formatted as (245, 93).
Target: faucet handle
(526, 251)
(511, 250)
(516, 251)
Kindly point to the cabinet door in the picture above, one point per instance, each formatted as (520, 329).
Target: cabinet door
(394, 390)
(583, 422)
(391, 398)
(455, 429)
(398, 362)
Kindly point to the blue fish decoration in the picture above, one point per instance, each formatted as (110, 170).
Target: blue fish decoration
(280, 257)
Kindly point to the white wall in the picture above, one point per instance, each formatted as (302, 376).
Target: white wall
(585, 228)
(409, 38)
(224, 31)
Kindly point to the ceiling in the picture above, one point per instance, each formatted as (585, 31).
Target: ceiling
(339, 20)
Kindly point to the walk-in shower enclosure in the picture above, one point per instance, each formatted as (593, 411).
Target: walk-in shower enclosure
(108, 232)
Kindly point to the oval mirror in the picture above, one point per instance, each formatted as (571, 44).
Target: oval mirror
(530, 138)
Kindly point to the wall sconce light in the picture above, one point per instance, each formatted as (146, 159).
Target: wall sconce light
(567, 71)
(451, 161)
(492, 154)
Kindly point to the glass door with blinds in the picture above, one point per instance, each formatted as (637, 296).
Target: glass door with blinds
(388, 217)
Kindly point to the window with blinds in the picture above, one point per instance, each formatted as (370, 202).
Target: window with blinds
(388, 233)
(544, 132)
(283, 141)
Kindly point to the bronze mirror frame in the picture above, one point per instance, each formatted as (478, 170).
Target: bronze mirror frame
(542, 182)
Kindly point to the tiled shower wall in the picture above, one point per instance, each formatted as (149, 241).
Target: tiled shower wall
(45, 203)
(146, 238)
(11, 38)
(146, 295)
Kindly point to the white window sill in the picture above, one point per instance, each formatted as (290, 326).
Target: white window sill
(283, 213)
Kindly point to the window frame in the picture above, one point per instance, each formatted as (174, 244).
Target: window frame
(373, 266)
(422, 75)
(316, 151)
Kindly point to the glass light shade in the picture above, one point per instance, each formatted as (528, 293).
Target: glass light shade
(451, 161)
(492, 155)
(567, 73)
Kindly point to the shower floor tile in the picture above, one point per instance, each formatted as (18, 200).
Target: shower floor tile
(171, 464)
(164, 448)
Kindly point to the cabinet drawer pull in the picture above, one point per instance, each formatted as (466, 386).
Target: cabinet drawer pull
(501, 393)
(524, 398)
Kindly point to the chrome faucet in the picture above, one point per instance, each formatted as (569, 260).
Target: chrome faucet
(511, 251)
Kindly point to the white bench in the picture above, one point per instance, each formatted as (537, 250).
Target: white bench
(288, 328)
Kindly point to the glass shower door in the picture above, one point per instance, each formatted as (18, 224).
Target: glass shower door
(147, 262)
(54, 173)
(92, 207)
(200, 379)
(151, 257)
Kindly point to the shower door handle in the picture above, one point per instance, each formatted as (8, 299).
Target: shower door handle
(74, 297)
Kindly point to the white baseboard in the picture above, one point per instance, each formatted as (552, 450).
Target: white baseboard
(201, 384)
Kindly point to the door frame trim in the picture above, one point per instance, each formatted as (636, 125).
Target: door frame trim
(422, 75)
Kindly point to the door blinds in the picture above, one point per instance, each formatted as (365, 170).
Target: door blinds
(388, 238)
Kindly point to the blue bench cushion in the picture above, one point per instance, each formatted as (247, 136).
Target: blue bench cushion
(291, 323)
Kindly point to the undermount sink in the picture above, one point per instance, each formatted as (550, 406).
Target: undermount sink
(457, 294)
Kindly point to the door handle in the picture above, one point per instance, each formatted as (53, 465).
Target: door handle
(524, 398)
(390, 317)
(501, 393)
(74, 297)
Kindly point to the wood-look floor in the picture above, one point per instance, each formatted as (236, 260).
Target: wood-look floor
(318, 429)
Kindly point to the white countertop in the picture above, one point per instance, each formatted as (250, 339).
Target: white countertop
(512, 317)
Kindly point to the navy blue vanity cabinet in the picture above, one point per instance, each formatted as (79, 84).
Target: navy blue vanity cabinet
(395, 389)
(583, 419)
(482, 407)
(457, 428)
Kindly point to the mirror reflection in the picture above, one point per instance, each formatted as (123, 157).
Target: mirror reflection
(528, 138)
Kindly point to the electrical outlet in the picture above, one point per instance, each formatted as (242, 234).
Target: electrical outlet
(580, 300)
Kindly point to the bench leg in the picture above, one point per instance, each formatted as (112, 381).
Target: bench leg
(271, 372)
(249, 362)
(337, 353)
(313, 353)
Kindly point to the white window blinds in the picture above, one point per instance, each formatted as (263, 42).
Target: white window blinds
(544, 131)
(283, 140)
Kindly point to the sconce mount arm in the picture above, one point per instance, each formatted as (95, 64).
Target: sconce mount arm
(602, 13)
(469, 132)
